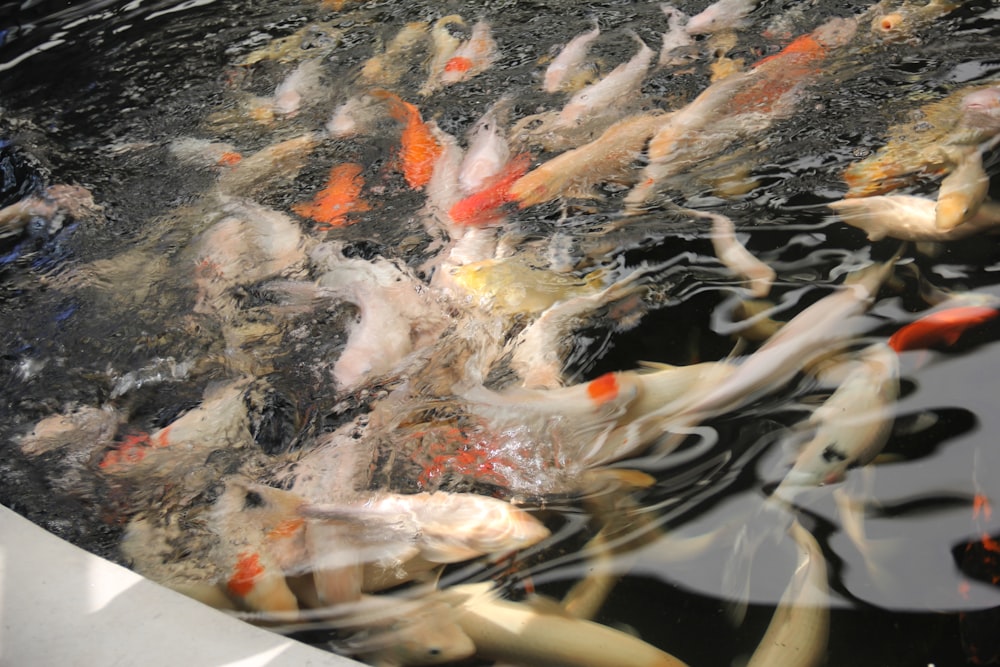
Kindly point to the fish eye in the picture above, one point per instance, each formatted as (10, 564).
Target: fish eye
(434, 651)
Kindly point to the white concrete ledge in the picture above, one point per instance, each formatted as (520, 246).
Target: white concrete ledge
(60, 605)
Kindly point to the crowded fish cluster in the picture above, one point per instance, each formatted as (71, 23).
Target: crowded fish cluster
(395, 319)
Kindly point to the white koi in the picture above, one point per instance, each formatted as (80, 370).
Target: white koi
(445, 527)
(676, 36)
(614, 89)
(722, 15)
(302, 84)
(488, 153)
(356, 116)
(567, 64)
(798, 633)
(759, 276)
(852, 425)
(962, 192)
(911, 218)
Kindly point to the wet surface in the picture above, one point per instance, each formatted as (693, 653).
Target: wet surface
(95, 93)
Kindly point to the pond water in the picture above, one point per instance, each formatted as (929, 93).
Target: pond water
(107, 311)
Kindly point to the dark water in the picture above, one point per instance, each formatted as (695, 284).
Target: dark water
(92, 94)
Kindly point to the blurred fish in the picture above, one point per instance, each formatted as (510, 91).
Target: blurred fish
(339, 197)
(962, 191)
(485, 206)
(566, 66)
(388, 67)
(758, 275)
(676, 38)
(472, 57)
(488, 152)
(722, 15)
(444, 43)
(942, 326)
(418, 150)
(46, 213)
(910, 218)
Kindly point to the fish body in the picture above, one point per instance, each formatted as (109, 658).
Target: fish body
(473, 57)
(487, 155)
(852, 425)
(911, 218)
(485, 206)
(615, 88)
(443, 45)
(387, 68)
(734, 254)
(418, 149)
(940, 327)
(676, 37)
(565, 66)
(721, 15)
(962, 192)
(340, 196)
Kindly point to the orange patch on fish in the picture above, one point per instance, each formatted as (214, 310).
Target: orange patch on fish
(246, 572)
(784, 70)
(981, 506)
(131, 449)
(484, 206)
(418, 149)
(603, 389)
(287, 528)
(945, 326)
(990, 544)
(458, 64)
(229, 159)
(341, 196)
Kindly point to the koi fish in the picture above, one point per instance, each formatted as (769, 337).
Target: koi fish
(388, 67)
(473, 57)
(798, 633)
(733, 254)
(852, 425)
(484, 206)
(721, 15)
(54, 206)
(574, 172)
(567, 64)
(488, 153)
(943, 326)
(428, 635)
(418, 150)
(337, 199)
(676, 37)
(910, 218)
(962, 192)
(614, 89)
(445, 527)
(540, 634)
(444, 44)
(267, 167)
(303, 83)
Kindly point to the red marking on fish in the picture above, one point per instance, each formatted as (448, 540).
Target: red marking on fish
(246, 572)
(287, 528)
(418, 149)
(229, 159)
(981, 505)
(964, 589)
(486, 205)
(340, 196)
(990, 545)
(458, 64)
(781, 72)
(131, 449)
(944, 326)
(603, 389)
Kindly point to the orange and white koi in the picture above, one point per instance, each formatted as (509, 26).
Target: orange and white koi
(485, 206)
(444, 44)
(338, 198)
(418, 149)
(488, 153)
(566, 65)
(473, 57)
(940, 327)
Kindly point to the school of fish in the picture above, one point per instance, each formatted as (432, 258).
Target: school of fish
(450, 409)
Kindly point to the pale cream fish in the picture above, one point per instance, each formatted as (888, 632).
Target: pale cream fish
(269, 167)
(543, 635)
(614, 90)
(820, 329)
(88, 426)
(302, 85)
(51, 208)
(575, 172)
(443, 191)
(852, 426)
(444, 43)
(566, 66)
(204, 152)
(911, 218)
(396, 314)
(311, 40)
(474, 56)
(539, 351)
(799, 631)
(721, 15)
(445, 527)
(677, 37)
(430, 635)
(387, 68)
(512, 285)
(758, 276)
(487, 154)
(900, 22)
(359, 115)
(962, 191)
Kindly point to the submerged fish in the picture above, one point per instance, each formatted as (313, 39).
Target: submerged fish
(940, 327)
(339, 197)
(418, 149)
(566, 65)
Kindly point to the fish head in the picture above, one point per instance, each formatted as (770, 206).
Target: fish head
(981, 109)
